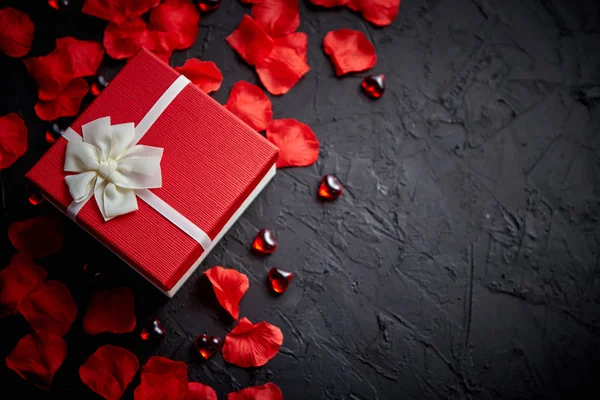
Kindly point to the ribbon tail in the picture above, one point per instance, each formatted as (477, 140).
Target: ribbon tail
(118, 201)
(99, 195)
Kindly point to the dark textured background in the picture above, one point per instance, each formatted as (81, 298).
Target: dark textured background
(462, 260)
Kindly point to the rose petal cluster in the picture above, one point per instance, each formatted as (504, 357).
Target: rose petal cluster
(280, 61)
(377, 12)
(59, 76)
(172, 25)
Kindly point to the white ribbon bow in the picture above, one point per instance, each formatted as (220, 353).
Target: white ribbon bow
(111, 167)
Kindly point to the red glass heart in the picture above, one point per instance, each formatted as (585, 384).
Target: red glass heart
(374, 85)
(153, 331)
(279, 279)
(97, 86)
(264, 243)
(60, 5)
(209, 5)
(207, 346)
(330, 188)
(34, 196)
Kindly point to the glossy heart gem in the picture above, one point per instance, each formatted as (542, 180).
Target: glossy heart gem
(264, 243)
(330, 188)
(207, 346)
(374, 85)
(279, 279)
(208, 5)
(153, 331)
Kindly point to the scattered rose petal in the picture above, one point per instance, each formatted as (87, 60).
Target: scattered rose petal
(198, 391)
(83, 56)
(298, 145)
(161, 44)
(125, 39)
(59, 91)
(281, 70)
(51, 74)
(353, 4)
(66, 104)
(109, 370)
(13, 139)
(37, 357)
(162, 379)
(118, 11)
(16, 32)
(71, 59)
(277, 17)
(297, 41)
(252, 345)
(250, 104)
(250, 41)
(179, 18)
(18, 279)
(203, 74)
(378, 12)
(112, 311)
(268, 391)
(38, 237)
(230, 286)
(329, 3)
(49, 309)
(349, 51)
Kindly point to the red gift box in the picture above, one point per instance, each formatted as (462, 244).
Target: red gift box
(213, 166)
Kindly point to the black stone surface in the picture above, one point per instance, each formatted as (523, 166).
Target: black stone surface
(461, 262)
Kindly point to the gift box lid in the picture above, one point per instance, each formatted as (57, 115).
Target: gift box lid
(212, 162)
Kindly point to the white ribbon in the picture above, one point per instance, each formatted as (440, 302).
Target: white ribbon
(114, 169)
(110, 167)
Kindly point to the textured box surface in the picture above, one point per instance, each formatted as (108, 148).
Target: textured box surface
(211, 163)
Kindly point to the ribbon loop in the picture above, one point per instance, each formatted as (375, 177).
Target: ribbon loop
(110, 167)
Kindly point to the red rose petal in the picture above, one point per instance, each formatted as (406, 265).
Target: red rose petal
(268, 391)
(83, 56)
(37, 357)
(353, 4)
(161, 44)
(329, 3)
(118, 11)
(349, 51)
(250, 104)
(252, 345)
(162, 379)
(51, 74)
(378, 12)
(281, 70)
(250, 41)
(13, 139)
(111, 311)
(298, 145)
(49, 309)
(179, 18)
(66, 104)
(109, 370)
(18, 279)
(125, 39)
(72, 58)
(37, 237)
(16, 32)
(277, 17)
(230, 286)
(198, 391)
(297, 41)
(203, 74)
